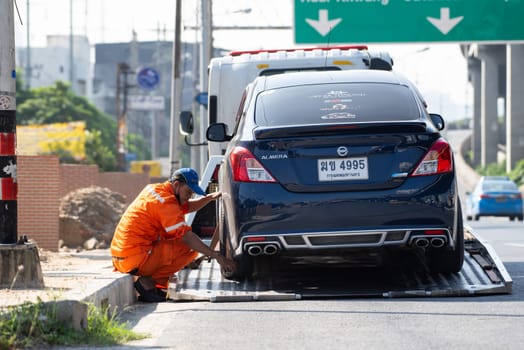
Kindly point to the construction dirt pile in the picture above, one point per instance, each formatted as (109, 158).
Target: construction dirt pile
(88, 217)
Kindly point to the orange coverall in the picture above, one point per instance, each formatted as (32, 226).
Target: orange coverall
(148, 238)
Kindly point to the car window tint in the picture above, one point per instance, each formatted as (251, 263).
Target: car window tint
(335, 103)
(499, 186)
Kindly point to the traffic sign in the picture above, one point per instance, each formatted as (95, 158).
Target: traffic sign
(405, 21)
(146, 102)
(201, 98)
(148, 78)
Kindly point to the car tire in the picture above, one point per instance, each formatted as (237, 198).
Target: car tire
(521, 217)
(476, 218)
(468, 217)
(244, 263)
(511, 218)
(447, 259)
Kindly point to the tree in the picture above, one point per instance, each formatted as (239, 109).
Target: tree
(58, 104)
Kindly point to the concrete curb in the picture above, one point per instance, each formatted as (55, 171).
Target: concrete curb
(102, 288)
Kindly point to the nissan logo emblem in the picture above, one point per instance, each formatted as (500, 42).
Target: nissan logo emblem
(342, 151)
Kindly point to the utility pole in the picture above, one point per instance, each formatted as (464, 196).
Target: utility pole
(8, 187)
(15, 254)
(121, 110)
(71, 48)
(28, 72)
(205, 57)
(176, 94)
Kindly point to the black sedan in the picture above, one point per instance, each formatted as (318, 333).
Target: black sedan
(337, 163)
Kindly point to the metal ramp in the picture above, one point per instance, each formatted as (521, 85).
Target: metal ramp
(482, 274)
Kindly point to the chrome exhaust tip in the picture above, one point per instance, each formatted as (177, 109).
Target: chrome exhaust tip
(422, 242)
(254, 250)
(438, 242)
(270, 249)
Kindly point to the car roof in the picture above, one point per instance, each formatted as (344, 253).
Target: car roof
(336, 76)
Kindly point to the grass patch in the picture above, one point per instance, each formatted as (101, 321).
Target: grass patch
(36, 325)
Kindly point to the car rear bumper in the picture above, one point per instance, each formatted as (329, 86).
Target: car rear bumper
(348, 220)
(324, 242)
(497, 209)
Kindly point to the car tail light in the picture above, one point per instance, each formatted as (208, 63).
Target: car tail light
(434, 232)
(246, 168)
(516, 196)
(438, 160)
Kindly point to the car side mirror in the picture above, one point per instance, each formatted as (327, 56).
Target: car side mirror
(217, 132)
(186, 123)
(437, 120)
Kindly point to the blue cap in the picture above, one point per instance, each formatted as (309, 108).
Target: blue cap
(190, 177)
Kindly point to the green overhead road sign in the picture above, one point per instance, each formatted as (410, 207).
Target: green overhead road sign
(408, 21)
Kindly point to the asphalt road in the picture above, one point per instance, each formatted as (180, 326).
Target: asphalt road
(489, 322)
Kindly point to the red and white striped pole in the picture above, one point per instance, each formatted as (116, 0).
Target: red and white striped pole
(8, 187)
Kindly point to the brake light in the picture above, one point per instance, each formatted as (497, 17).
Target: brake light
(246, 168)
(438, 160)
(516, 196)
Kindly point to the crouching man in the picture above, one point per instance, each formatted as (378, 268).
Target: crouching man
(152, 241)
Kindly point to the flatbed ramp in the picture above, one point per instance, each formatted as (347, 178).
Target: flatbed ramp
(482, 274)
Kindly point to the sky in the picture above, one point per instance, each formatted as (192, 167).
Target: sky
(439, 70)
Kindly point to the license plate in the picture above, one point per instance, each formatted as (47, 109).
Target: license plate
(342, 169)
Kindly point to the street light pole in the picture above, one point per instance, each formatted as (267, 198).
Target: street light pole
(176, 94)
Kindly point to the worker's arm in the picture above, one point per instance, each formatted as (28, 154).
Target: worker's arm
(194, 242)
(199, 203)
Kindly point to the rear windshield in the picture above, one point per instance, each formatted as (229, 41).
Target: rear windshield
(499, 186)
(335, 103)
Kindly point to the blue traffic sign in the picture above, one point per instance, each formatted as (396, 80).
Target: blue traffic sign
(201, 98)
(148, 78)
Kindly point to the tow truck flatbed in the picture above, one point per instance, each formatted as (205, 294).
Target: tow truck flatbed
(483, 273)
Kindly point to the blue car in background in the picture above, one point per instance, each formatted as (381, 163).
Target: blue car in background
(495, 196)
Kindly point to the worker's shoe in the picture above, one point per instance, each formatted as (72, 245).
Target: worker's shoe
(147, 291)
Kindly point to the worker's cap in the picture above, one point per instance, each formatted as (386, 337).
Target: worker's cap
(190, 177)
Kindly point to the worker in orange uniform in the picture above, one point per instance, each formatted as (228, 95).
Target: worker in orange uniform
(152, 241)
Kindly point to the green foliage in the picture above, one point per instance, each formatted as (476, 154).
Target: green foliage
(495, 169)
(517, 174)
(137, 145)
(99, 153)
(36, 325)
(492, 169)
(58, 104)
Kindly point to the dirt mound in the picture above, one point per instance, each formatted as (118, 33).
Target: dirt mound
(88, 217)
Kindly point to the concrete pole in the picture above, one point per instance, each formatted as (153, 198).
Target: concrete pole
(28, 72)
(176, 94)
(489, 118)
(514, 105)
(474, 69)
(206, 7)
(8, 186)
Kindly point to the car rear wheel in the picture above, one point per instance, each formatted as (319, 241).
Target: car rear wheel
(447, 259)
(244, 263)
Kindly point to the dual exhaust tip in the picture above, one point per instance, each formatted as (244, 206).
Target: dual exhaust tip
(263, 249)
(424, 242)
